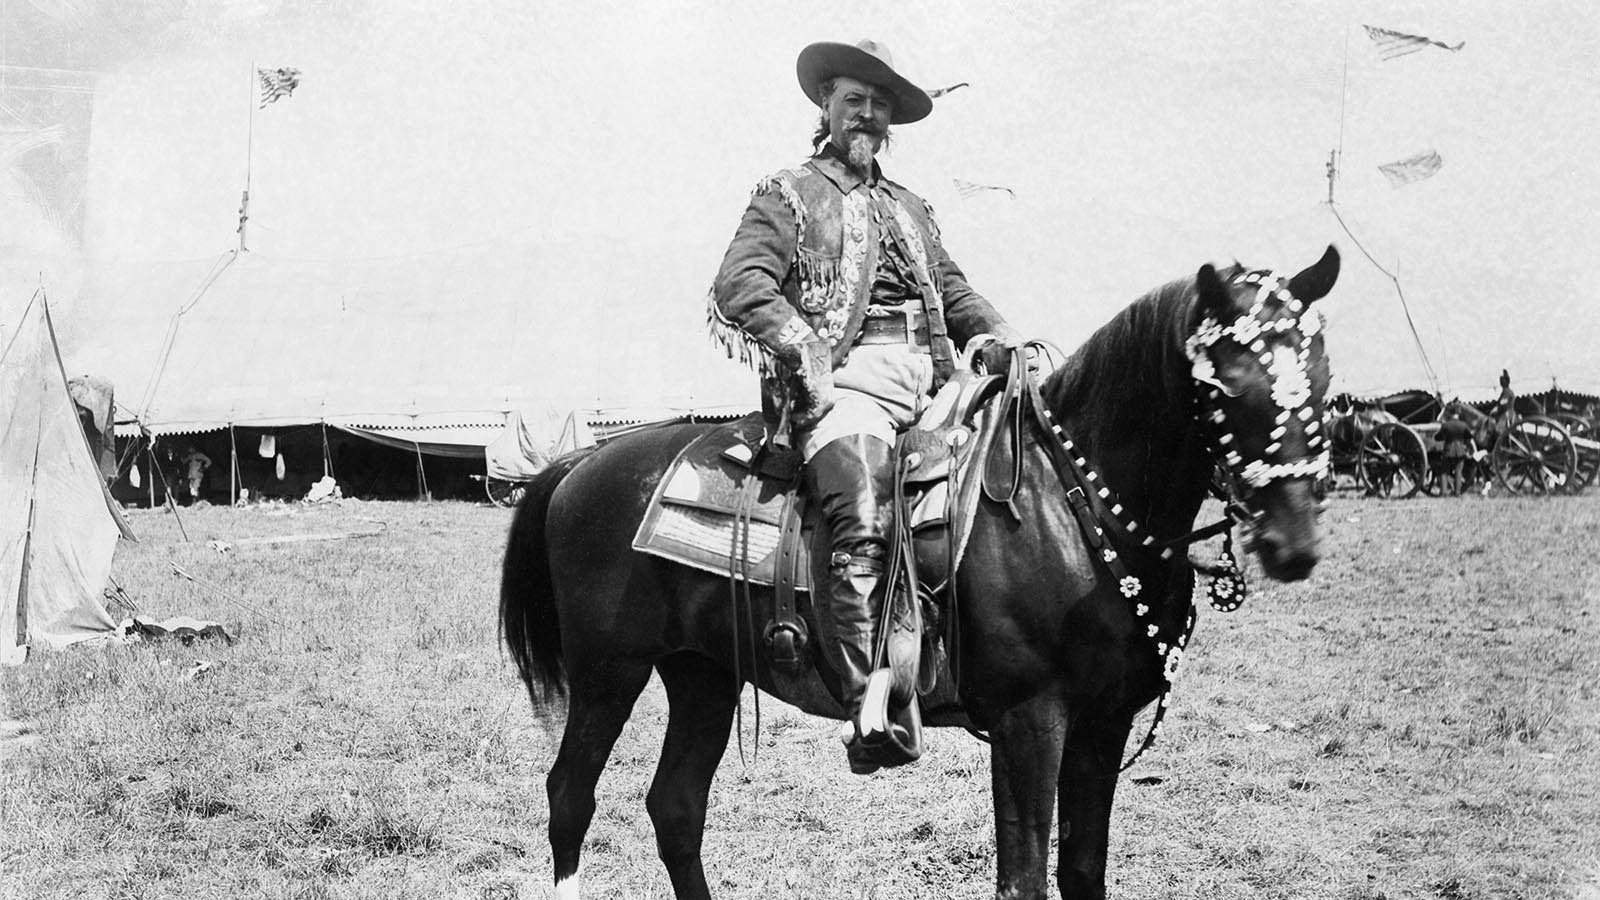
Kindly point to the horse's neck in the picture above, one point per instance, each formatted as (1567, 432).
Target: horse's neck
(1146, 444)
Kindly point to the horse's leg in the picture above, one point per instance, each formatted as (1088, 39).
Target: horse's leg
(702, 697)
(1089, 770)
(1026, 760)
(601, 698)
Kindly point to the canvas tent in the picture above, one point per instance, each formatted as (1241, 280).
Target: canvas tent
(58, 526)
(432, 351)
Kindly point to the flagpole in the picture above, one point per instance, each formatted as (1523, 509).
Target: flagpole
(1344, 85)
(1394, 277)
(249, 150)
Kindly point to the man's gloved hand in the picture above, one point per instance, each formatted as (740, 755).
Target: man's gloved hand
(993, 355)
(811, 392)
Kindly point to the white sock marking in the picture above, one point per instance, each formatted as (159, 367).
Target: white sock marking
(567, 888)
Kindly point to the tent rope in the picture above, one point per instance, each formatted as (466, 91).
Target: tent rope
(171, 337)
(1427, 366)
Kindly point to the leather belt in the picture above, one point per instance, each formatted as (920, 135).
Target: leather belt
(895, 328)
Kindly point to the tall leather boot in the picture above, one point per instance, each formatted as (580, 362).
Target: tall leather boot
(851, 482)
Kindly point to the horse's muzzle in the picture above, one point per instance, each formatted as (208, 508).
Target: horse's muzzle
(1286, 536)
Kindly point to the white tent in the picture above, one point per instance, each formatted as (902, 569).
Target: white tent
(58, 525)
(434, 349)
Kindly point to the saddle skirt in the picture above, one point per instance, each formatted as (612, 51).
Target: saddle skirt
(715, 499)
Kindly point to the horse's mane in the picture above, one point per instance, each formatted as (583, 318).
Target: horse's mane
(1134, 363)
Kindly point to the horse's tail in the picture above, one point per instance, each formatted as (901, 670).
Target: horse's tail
(528, 622)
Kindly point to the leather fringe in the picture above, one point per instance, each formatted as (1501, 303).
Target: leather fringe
(791, 198)
(820, 281)
(735, 341)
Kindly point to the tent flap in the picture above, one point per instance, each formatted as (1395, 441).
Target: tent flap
(58, 523)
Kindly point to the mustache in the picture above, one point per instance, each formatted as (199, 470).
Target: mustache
(871, 128)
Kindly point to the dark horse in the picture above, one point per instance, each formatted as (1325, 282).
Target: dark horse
(1055, 658)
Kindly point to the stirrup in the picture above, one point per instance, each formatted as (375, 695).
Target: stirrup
(873, 741)
(873, 722)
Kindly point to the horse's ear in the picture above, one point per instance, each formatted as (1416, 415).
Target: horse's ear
(1215, 299)
(1315, 282)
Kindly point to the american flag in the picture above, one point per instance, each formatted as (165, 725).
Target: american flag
(1394, 44)
(967, 188)
(1412, 168)
(276, 83)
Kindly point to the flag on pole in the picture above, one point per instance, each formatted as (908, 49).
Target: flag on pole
(967, 188)
(277, 83)
(1394, 44)
(1413, 168)
(940, 92)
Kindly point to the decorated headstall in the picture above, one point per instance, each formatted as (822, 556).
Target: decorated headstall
(1278, 330)
(1275, 312)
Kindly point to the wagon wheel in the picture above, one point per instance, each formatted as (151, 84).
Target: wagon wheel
(1535, 456)
(1393, 461)
(1585, 434)
(504, 493)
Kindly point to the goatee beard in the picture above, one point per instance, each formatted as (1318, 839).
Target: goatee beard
(859, 152)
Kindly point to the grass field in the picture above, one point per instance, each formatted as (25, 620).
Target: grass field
(1419, 720)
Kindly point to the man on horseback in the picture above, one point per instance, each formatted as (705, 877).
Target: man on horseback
(837, 283)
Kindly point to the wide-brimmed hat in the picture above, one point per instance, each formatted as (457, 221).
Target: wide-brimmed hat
(867, 61)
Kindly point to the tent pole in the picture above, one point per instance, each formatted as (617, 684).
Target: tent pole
(27, 537)
(233, 467)
(21, 638)
(150, 451)
(422, 476)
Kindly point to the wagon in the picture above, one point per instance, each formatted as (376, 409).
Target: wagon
(1537, 454)
(1391, 445)
(529, 442)
(1372, 443)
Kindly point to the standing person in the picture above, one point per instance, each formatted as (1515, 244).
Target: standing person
(195, 466)
(1456, 436)
(837, 282)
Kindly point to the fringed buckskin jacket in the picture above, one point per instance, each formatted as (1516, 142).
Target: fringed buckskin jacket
(803, 261)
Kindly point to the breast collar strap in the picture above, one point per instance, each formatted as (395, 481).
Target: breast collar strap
(1091, 500)
(1096, 510)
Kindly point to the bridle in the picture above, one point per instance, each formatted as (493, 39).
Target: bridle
(1101, 517)
(1289, 372)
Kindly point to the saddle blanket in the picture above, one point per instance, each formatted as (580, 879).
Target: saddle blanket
(693, 516)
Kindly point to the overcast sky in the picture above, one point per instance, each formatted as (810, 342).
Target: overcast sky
(1140, 139)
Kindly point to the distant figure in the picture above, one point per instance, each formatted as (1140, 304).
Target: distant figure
(195, 465)
(1456, 436)
(1505, 405)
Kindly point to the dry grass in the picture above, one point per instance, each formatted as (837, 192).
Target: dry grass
(1419, 721)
